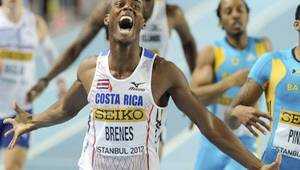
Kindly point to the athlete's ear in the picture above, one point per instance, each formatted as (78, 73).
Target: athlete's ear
(144, 21)
(106, 19)
(297, 25)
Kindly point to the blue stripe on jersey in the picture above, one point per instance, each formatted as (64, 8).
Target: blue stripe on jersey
(105, 52)
(148, 53)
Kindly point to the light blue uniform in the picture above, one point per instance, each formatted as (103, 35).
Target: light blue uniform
(279, 74)
(228, 60)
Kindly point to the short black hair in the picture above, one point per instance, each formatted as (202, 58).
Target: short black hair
(297, 15)
(218, 11)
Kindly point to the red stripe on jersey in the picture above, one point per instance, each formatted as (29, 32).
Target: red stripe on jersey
(93, 156)
(147, 139)
(103, 84)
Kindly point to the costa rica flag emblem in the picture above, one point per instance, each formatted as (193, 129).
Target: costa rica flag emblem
(104, 84)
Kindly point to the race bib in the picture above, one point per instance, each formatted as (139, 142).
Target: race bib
(287, 135)
(123, 131)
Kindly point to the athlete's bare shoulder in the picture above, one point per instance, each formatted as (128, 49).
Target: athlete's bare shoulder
(160, 63)
(86, 66)
(165, 71)
(206, 56)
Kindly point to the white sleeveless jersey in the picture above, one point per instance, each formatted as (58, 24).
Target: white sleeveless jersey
(17, 43)
(125, 123)
(155, 35)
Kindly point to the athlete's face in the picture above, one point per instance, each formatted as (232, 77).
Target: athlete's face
(234, 16)
(148, 8)
(125, 20)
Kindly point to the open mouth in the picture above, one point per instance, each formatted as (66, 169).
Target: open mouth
(125, 23)
(237, 24)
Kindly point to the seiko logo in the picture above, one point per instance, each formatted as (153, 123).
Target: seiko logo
(120, 114)
(292, 118)
(136, 86)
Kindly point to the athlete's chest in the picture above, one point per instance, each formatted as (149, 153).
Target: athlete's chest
(233, 61)
(288, 88)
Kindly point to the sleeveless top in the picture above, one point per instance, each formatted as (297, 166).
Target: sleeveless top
(125, 123)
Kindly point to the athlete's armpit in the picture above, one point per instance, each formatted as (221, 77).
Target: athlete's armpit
(203, 73)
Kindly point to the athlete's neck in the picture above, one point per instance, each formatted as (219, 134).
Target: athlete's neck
(123, 58)
(13, 12)
(238, 41)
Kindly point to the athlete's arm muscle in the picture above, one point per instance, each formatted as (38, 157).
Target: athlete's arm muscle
(213, 128)
(203, 76)
(242, 109)
(88, 32)
(178, 21)
(61, 111)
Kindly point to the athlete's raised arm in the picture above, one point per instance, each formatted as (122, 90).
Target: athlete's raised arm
(213, 128)
(61, 111)
(178, 21)
(203, 78)
(88, 32)
(241, 109)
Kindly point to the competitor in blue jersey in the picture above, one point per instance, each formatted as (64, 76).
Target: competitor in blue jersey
(221, 69)
(278, 75)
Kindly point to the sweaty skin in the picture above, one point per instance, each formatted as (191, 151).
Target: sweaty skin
(233, 20)
(167, 81)
(176, 21)
(241, 110)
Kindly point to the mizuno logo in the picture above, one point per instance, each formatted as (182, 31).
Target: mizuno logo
(136, 85)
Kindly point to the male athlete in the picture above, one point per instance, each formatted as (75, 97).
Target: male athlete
(276, 74)
(21, 32)
(221, 69)
(124, 124)
(161, 19)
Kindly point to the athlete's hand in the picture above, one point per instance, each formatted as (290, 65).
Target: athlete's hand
(21, 124)
(36, 90)
(239, 77)
(251, 118)
(62, 90)
(275, 165)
